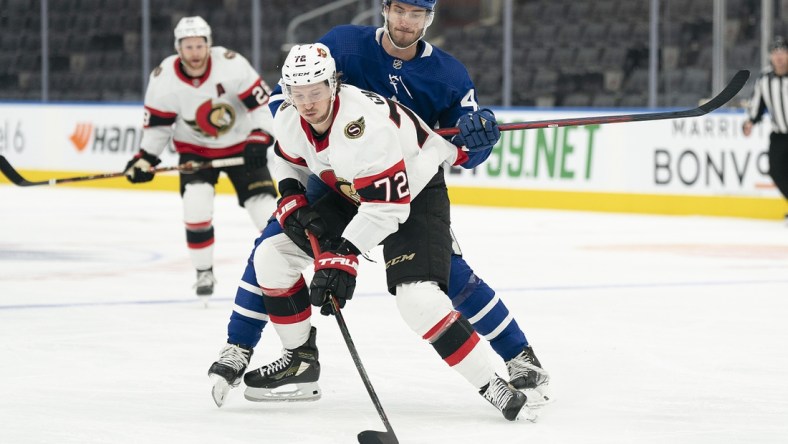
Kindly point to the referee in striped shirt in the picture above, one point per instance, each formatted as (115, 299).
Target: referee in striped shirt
(771, 94)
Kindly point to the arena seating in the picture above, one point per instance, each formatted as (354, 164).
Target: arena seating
(565, 53)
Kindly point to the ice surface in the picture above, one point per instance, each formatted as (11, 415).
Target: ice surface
(654, 329)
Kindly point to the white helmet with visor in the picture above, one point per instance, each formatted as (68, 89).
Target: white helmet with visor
(309, 65)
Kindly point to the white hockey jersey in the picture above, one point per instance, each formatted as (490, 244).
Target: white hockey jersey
(376, 152)
(210, 116)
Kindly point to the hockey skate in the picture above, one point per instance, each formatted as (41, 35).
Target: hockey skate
(205, 282)
(526, 374)
(507, 399)
(226, 373)
(293, 377)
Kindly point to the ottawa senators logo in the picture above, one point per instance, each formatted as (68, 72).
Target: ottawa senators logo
(340, 185)
(157, 70)
(213, 119)
(230, 54)
(355, 129)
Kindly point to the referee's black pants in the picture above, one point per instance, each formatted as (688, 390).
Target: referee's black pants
(778, 161)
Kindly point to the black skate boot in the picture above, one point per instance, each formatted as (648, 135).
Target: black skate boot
(293, 377)
(506, 399)
(205, 282)
(526, 373)
(226, 372)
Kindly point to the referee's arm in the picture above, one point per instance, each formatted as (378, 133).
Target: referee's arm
(757, 105)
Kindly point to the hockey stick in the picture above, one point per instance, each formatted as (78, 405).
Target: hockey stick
(729, 92)
(17, 179)
(366, 436)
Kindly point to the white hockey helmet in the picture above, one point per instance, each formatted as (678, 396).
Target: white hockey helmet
(309, 65)
(194, 26)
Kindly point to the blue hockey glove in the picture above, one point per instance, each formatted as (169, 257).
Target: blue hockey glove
(478, 130)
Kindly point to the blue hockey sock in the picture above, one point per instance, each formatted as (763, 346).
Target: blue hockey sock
(487, 313)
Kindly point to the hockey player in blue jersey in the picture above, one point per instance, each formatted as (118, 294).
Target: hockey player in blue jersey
(396, 62)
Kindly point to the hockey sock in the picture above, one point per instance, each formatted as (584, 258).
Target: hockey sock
(289, 311)
(486, 312)
(249, 315)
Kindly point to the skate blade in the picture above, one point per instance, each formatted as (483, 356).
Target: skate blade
(527, 414)
(290, 392)
(220, 390)
(538, 397)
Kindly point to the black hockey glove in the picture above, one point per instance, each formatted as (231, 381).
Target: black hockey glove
(296, 216)
(256, 149)
(335, 275)
(478, 130)
(139, 168)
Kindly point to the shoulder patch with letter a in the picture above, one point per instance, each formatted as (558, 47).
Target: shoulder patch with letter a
(355, 129)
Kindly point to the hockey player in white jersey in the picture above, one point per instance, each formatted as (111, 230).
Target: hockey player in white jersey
(211, 104)
(384, 165)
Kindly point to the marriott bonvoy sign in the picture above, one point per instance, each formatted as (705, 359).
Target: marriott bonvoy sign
(705, 156)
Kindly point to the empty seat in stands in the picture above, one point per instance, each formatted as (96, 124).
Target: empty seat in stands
(618, 32)
(594, 33)
(604, 101)
(634, 101)
(537, 57)
(570, 35)
(577, 99)
(636, 82)
(604, 11)
(563, 58)
(670, 80)
(545, 82)
(613, 57)
(579, 10)
(696, 80)
(587, 58)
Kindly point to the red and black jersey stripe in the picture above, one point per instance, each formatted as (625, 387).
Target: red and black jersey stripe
(389, 186)
(300, 161)
(158, 118)
(255, 96)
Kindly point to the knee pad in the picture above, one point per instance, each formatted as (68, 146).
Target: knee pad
(198, 204)
(423, 306)
(278, 262)
(260, 208)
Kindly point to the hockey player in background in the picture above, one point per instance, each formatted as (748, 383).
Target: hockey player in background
(212, 104)
(396, 62)
(771, 94)
(384, 165)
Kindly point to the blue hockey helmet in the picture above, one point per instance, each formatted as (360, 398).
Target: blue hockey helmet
(426, 4)
(779, 44)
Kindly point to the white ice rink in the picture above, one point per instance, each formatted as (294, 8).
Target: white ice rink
(654, 329)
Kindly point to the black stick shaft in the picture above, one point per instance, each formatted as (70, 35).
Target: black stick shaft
(729, 92)
(353, 351)
(17, 179)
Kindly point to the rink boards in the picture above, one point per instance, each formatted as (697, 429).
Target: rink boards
(701, 165)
